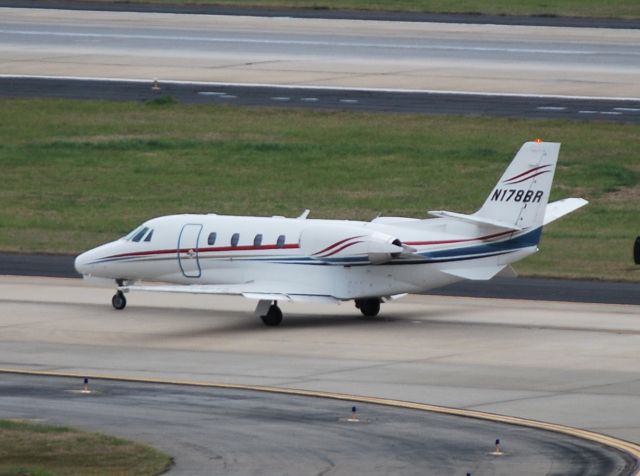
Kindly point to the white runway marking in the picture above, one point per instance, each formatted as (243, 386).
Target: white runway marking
(551, 108)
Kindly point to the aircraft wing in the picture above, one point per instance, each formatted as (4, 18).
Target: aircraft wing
(268, 291)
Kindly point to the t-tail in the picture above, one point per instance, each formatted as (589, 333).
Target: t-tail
(520, 197)
(520, 200)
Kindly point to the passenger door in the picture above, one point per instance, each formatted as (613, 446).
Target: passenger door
(188, 247)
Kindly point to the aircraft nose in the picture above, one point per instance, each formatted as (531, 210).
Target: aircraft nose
(82, 263)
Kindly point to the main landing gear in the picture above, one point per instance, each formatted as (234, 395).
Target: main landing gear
(118, 301)
(369, 307)
(269, 312)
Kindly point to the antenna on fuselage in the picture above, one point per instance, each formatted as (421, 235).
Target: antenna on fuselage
(304, 214)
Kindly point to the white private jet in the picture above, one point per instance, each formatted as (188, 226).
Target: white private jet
(299, 259)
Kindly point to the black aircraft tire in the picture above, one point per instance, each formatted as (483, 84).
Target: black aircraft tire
(636, 251)
(118, 301)
(368, 307)
(273, 316)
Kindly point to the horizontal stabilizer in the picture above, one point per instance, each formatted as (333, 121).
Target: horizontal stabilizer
(561, 208)
(475, 219)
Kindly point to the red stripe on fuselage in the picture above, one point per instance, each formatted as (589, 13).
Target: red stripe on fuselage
(203, 250)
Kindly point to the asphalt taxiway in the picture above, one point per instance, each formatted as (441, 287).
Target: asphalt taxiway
(236, 432)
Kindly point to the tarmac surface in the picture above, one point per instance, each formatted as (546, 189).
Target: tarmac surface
(324, 53)
(233, 432)
(567, 363)
(321, 98)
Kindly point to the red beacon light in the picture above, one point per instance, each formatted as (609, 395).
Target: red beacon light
(538, 140)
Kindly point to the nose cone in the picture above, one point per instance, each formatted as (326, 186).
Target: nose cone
(82, 263)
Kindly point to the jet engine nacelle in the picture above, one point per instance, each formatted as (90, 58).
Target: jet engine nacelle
(339, 243)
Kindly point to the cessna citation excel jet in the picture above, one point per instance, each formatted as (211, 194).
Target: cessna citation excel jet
(299, 259)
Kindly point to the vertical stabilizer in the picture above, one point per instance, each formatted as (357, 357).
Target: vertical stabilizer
(521, 195)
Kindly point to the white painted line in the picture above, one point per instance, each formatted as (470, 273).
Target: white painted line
(611, 113)
(349, 101)
(627, 109)
(316, 88)
(280, 98)
(264, 41)
(587, 112)
(309, 99)
(228, 96)
(551, 108)
(211, 93)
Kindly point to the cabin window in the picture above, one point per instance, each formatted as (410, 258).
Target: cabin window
(234, 239)
(212, 238)
(148, 237)
(257, 241)
(138, 236)
(280, 242)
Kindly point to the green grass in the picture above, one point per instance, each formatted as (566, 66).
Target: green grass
(46, 450)
(579, 8)
(75, 174)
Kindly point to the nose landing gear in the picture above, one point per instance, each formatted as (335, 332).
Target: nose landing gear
(118, 301)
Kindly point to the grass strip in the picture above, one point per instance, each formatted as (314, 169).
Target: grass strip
(79, 173)
(629, 9)
(46, 450)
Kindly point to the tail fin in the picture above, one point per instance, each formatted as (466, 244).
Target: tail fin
(521, 195)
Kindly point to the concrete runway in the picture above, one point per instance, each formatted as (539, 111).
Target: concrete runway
(572, 364)
(320, 52)
(233, 432)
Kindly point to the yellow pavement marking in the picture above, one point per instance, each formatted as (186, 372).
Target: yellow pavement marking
(628, 447)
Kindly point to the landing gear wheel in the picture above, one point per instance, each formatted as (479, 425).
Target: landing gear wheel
(118, 301)
(368, 307)
(273, 316)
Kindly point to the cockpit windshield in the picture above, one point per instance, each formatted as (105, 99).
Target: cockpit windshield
(139, 233)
